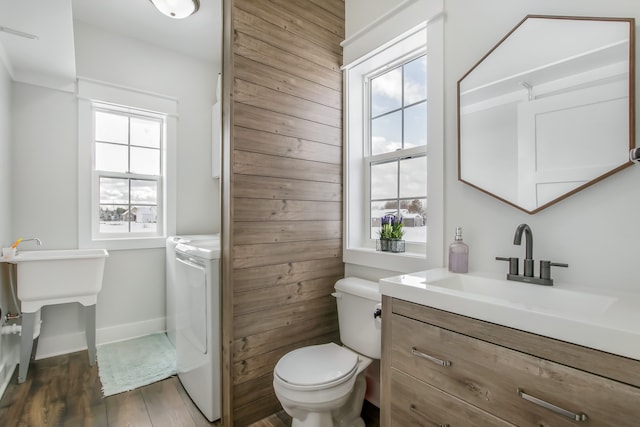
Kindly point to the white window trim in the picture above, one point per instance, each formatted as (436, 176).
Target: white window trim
(355, 208)
(89, 91)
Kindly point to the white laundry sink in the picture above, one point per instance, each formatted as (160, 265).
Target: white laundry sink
(58, 276)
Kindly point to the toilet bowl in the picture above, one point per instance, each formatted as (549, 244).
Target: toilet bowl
(324, 385)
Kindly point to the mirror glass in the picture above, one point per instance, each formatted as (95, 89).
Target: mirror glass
(549, 110)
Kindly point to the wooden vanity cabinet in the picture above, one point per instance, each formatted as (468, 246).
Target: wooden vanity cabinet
(443, 369)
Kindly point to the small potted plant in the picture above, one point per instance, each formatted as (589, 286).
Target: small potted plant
(391, 233)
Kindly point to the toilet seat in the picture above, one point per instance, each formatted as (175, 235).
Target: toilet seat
(316, 367)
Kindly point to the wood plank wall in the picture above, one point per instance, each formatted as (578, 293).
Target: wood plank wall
(284, 191)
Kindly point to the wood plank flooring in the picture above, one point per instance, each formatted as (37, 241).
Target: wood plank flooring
(66, 391)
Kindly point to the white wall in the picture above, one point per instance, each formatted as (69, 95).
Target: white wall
(120, 60)
(8, 347)
(5, 154)
(132, 300)
(592, 231)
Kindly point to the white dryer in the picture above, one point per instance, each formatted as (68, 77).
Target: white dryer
(170, 279)
(198, 323)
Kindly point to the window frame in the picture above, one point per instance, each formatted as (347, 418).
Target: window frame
(93, 93)
(97, 174)
(398, 155)
(358, 247)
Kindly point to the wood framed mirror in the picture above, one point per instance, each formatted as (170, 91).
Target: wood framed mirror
(549, 110)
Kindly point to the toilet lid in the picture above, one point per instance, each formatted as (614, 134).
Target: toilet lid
(316, 365)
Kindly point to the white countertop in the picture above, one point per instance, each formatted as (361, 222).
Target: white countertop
(593, 318)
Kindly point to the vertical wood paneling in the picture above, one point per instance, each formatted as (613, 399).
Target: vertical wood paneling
(282, 193)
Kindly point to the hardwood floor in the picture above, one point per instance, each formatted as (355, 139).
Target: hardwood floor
(66, 391)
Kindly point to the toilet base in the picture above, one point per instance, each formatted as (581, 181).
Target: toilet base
(313, 419)
(323, 419)
(348, 415)
(345, 415)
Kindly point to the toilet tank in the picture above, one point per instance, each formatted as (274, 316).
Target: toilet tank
(357, 301)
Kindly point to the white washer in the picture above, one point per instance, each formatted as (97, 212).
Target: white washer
(170, 278)
(198, 323)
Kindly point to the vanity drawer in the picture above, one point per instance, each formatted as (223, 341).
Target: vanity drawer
(509, 384)
(418, 404)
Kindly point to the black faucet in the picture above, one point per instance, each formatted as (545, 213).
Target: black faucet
(528, 277)
(517, 239)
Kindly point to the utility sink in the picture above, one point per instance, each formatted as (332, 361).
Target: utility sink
(530, 297)
(58, 276)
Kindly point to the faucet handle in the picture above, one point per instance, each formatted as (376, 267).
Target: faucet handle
(545, 268)
(513, 264)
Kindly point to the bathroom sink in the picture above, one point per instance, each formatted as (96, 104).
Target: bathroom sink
(58, 276)
(530, 297)
(603, 319)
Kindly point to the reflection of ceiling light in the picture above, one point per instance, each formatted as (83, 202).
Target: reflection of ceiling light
(18, 33)
(177, 9)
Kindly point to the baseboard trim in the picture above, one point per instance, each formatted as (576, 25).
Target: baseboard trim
(8, 360)
(6, 372)
(49, 346)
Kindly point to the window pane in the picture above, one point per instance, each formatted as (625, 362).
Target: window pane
(415, 81)
(143, 219)
(413, 177)
(145, 161)
(145, 132)
(112, 219)
(386, 133)
(114, 190)
(112, 127)
(414, 219)
(378, 210)
(144, 192)
(111, 157)
(386, 92)
(384, 181)
(415, 125)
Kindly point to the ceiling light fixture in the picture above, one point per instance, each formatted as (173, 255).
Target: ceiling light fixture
(177, 9)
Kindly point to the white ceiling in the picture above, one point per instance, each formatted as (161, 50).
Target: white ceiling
(50, 59)
(198, 35)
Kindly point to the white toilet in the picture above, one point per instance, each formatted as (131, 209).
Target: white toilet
(324, 385)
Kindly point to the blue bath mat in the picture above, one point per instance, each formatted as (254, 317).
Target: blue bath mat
(126, 365)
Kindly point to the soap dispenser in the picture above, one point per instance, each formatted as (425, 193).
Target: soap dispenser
(458, 254)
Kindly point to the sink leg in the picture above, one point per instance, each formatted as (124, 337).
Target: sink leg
(90, 332)
(26, 344)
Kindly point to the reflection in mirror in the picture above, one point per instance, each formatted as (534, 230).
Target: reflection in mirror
(549, 110)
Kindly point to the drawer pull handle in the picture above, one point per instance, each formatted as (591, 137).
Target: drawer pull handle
(417, 353)
(552, 407)
(421, 415)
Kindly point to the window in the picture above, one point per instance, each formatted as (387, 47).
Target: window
(393, 154)
(126, 165)
(397, 141)
(127, 172)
